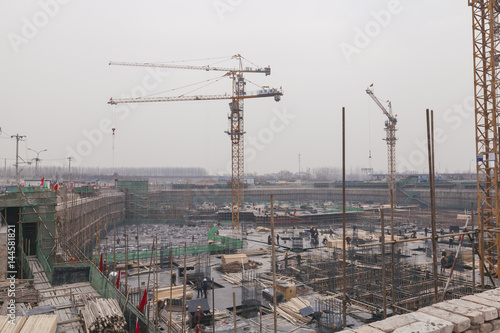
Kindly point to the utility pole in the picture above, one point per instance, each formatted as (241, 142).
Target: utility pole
(69, 170)
(37, 159)
(18, 138)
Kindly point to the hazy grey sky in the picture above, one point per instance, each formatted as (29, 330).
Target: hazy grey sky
(56, 81)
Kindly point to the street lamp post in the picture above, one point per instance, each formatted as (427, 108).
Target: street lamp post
(37, 159)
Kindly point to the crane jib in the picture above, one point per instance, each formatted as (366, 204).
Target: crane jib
(275, 93)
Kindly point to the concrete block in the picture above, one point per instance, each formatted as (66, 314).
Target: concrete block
(461, 323)
(489, 312)
(346, 331)
(476, 317)
(496, 324)
(445, 326)
(392, 323)
(486, 328)
(367, 329)
(491, 296)
(492, 292)
(483, 301)
(419, 327)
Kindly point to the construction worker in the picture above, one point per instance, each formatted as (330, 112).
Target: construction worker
(199, 287)
(451, 242)
(348, 240)
(325, 240)
(443, 253)
(426, 231)
(286, 259)
(330, 231)
(269, 240)
(277, 239)
(427, 274)
(205, 287)
(316, 316)
(299, 259)
(197, 316)
(174, 278)
(443, 264)
(161, 304)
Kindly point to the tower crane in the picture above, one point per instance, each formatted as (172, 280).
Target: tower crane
(390, 138)
(236, 119)
(486, 52)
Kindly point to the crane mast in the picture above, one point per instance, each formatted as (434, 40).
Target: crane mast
(236, 120)
(486, 44)
(236, 132)
(390, 138)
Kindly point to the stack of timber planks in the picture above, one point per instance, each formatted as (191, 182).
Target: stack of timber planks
(290, 311)
(238, 258)
(177, 292)
(38, 323)
(103, 315)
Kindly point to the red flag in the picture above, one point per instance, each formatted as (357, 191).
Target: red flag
(197, 329)
(137, 325)
(56, 186)
(42, 181)
(371, 85)
(144, 300)
(118, 279)
(101, 264)
(295, 211)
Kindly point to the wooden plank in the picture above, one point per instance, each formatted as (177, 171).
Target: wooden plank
(40, 323)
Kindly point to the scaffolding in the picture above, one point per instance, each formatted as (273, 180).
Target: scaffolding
(136, 198)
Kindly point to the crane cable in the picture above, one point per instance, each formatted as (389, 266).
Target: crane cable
(216, 79)
(180, 61)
